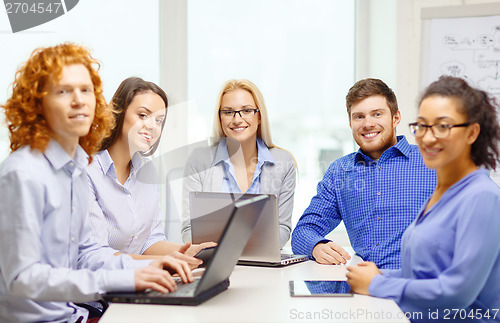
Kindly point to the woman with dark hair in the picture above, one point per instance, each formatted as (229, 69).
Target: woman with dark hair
(135, 88)
(450, 259)
(125, 200)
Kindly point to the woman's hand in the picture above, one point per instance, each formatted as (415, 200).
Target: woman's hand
(187, 251)
(192, 262)
(192, 249)
(360, 276)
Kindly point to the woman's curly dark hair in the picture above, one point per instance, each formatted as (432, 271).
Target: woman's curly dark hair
(479, 108)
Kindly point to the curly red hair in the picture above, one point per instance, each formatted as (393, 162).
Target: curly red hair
(24, 110)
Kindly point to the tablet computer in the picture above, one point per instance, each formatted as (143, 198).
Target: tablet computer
(319, 288)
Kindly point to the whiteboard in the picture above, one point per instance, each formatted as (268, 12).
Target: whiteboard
(463, 41)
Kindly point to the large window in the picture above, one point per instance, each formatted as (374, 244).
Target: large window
(300, 53)
(122, 34)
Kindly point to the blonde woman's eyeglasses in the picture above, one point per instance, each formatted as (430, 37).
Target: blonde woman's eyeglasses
(244, 113)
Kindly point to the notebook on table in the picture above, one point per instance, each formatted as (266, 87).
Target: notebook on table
(237, 230)
(210, 211)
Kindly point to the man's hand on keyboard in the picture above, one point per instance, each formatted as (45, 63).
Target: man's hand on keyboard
(154, 278)
(157, 276)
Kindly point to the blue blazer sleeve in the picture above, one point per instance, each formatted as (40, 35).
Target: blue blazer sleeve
(475, 257)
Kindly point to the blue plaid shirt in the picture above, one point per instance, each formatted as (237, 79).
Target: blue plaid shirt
(377, 200)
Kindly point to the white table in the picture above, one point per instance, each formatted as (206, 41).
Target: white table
(259, 294)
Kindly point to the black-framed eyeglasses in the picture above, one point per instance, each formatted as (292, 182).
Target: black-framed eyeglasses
(439, 130)
(244, 113)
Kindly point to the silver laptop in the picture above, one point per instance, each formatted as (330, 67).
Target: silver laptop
(210, 212)
(235, 234)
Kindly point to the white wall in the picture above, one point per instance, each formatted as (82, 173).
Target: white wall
(376, 42)
(299, 53)
(408, 51)
(388, 47)
(122, 34)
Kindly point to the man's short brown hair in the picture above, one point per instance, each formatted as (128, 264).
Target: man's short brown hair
(370, 87)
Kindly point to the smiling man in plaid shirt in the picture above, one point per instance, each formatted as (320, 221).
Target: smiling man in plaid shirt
(377, 191)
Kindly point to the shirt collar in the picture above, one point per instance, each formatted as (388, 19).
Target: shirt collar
(222, 153)
(137, 162)
(104, 160)
(59, 158)
(402, 147)
(263, 153)
(451, 192)
(106, 163)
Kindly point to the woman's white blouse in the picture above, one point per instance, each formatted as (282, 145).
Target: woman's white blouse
(126, 217)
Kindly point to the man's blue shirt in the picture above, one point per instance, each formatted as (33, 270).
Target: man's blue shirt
(377, 200)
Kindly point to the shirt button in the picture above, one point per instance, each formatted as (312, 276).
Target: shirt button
(378, 218)
(72, 209)
(72, 239)
(379, 167)
(377, 244)
(378, 193)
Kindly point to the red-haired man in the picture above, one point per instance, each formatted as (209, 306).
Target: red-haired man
(57, 117)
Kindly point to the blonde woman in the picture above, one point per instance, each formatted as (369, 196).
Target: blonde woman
(242, 157)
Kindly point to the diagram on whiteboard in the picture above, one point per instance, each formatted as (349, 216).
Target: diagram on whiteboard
(467, 48)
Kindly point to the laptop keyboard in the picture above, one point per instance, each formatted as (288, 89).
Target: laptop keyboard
(183, 290)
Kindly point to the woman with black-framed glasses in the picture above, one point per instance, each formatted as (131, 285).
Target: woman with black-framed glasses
(440, 130)
(242, 157)
(450, 259)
